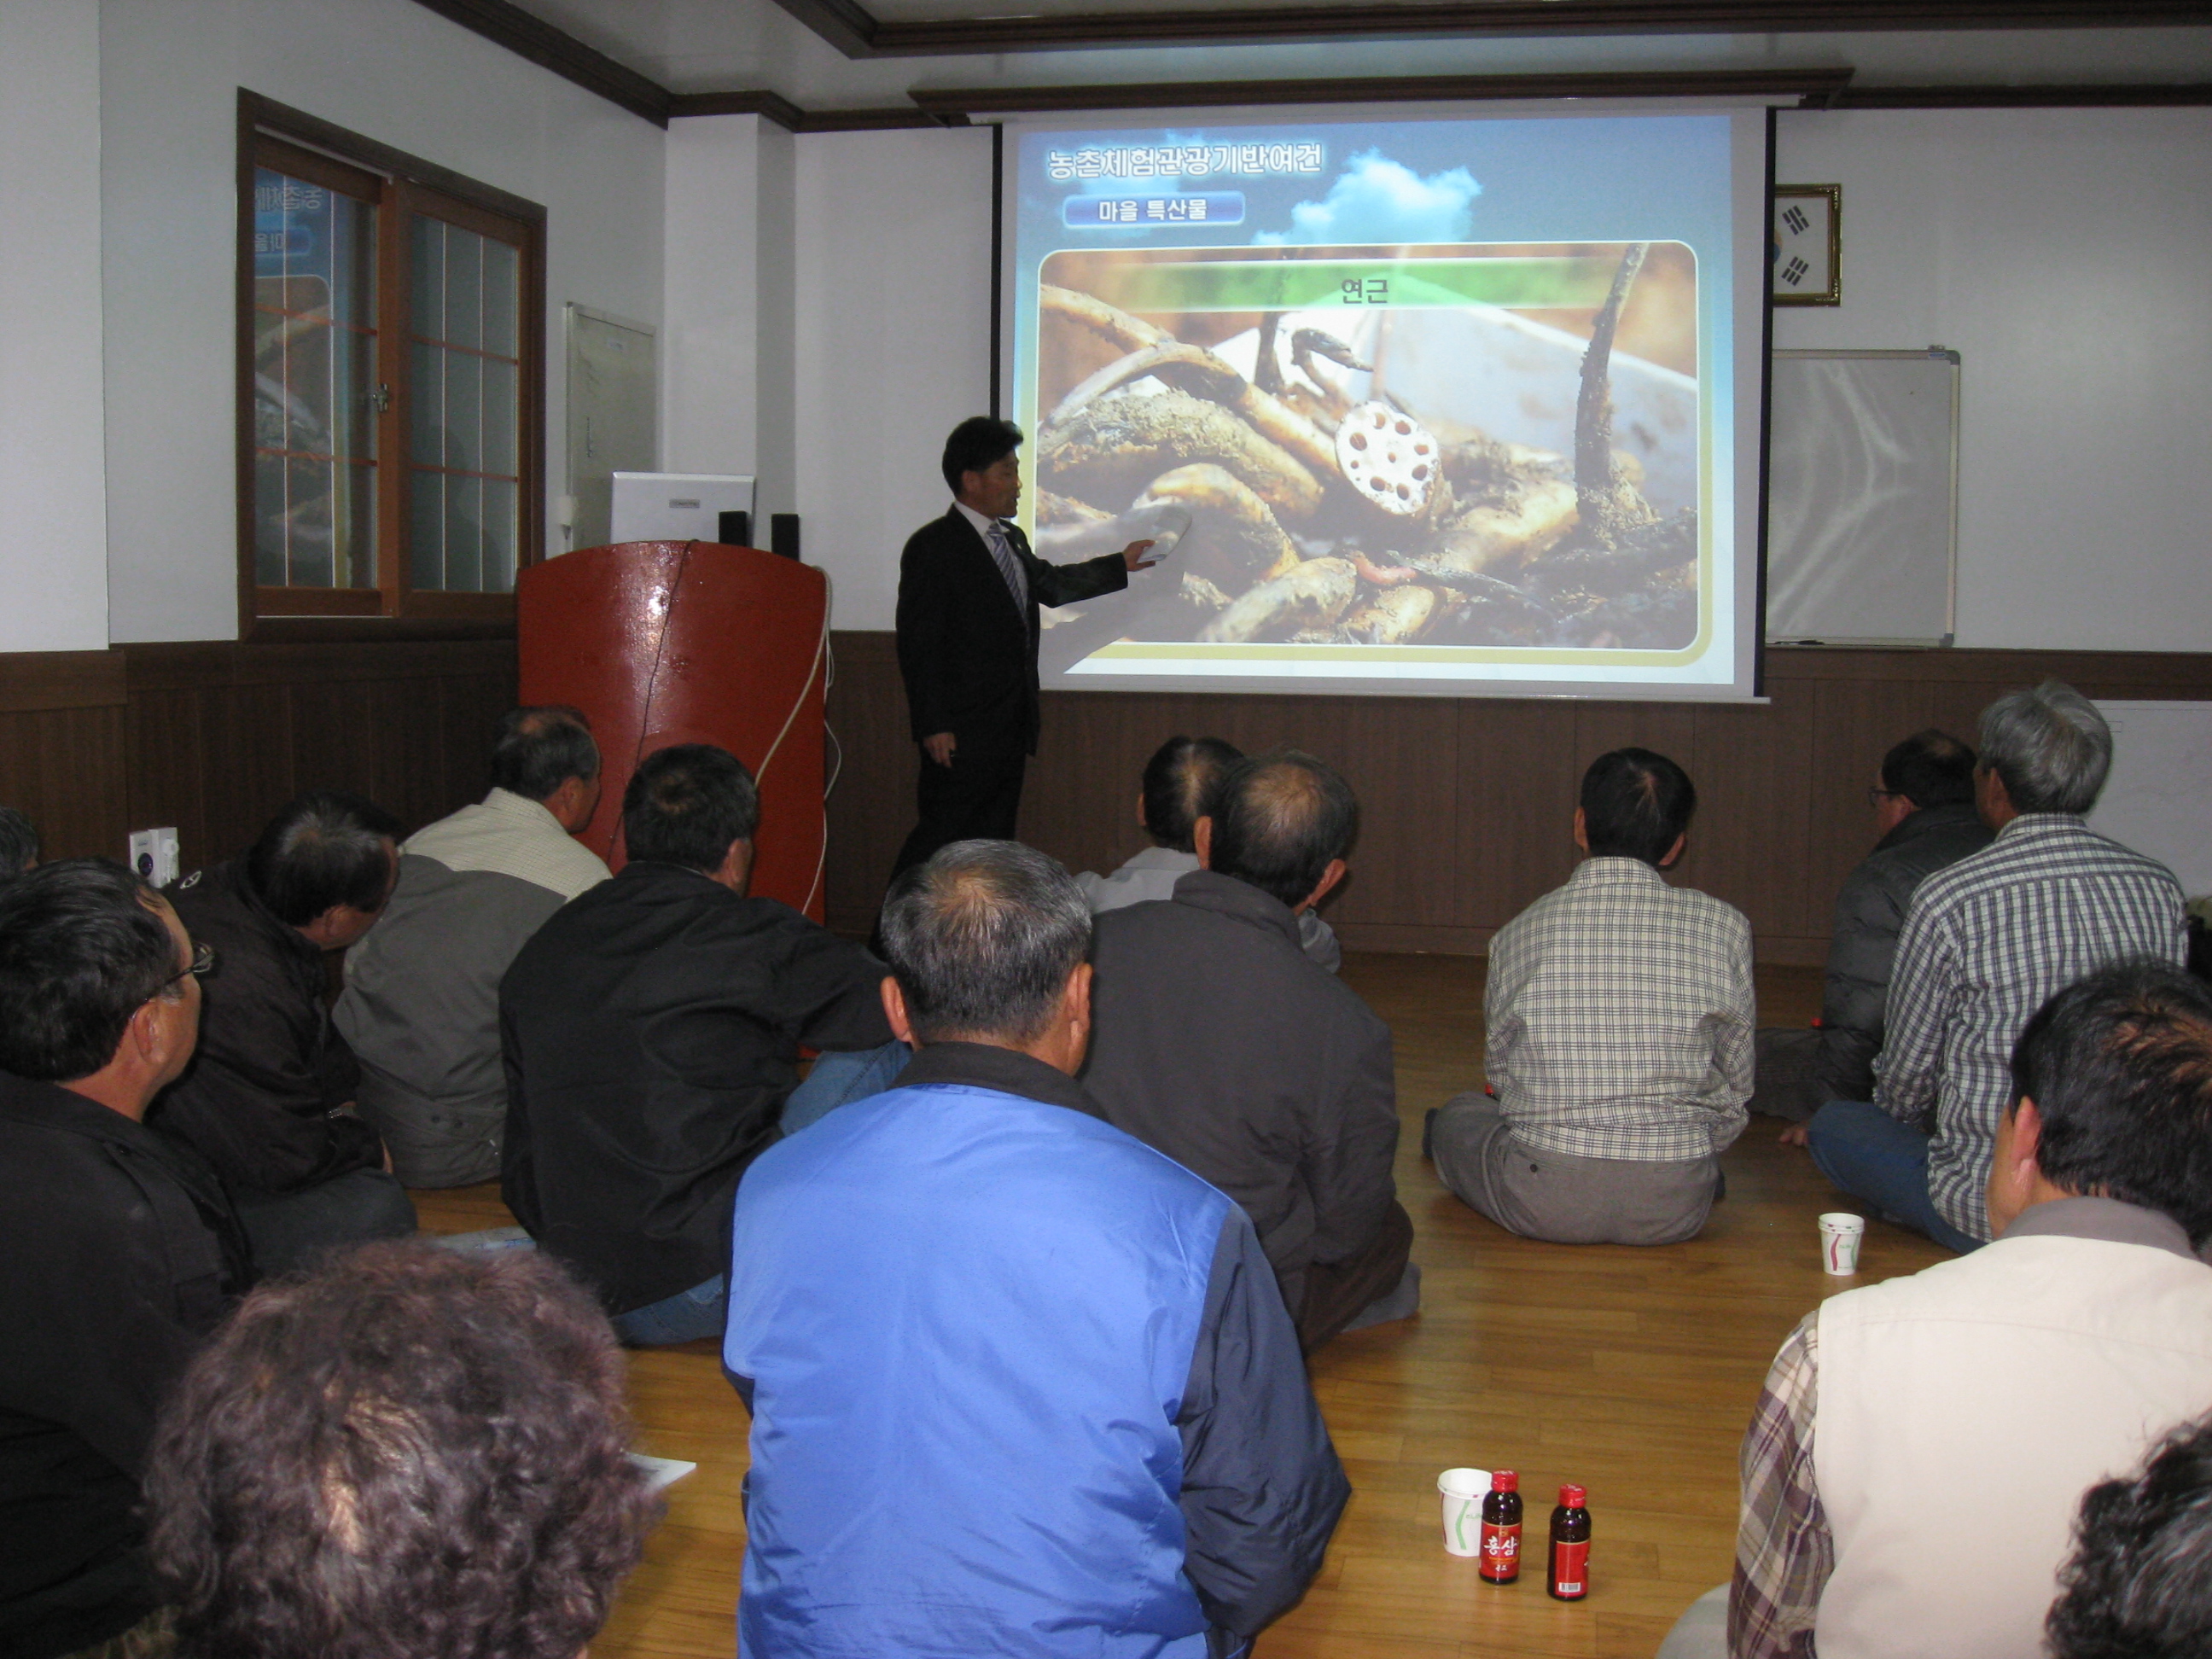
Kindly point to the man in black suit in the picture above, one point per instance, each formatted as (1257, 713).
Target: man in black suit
(968, 592)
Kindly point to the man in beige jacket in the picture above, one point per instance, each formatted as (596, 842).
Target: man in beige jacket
(1922, 1445)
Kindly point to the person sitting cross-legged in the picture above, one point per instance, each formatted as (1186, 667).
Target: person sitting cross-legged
(1619, 1015)
(1020, 1383)
(421, 1005)
(1986, 942)
(1222, 1043)
(651, 1030)
(269, 1099)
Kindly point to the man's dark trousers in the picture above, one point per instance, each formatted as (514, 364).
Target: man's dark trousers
(978, 797)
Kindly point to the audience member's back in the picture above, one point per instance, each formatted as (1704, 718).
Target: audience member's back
(421, 1005)
(1220, 1043)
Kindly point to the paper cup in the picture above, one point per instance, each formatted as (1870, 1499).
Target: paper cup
(1464, 1491)
(1840, 1241)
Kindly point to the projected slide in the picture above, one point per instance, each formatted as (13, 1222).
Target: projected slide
(1433, 405)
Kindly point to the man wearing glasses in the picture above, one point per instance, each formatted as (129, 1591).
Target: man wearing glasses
(121, 1250)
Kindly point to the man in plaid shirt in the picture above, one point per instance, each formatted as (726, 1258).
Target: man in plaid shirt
(1986, 942)
(1619, 1017)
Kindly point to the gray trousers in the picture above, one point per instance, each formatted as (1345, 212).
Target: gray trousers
(1562, 1198)
(433, 1143)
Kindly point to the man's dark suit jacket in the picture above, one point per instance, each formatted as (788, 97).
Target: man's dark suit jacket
(968, 655)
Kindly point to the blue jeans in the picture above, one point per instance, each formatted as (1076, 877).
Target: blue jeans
(840, 1077)
(686, 1317)
(1883, 1163)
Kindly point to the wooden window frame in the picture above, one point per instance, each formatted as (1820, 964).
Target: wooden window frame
(396, 183)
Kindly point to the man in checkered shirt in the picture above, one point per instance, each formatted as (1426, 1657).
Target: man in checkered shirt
(1619, 1017)
(1985, 943)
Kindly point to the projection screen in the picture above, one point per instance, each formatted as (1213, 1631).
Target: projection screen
(1445, 404)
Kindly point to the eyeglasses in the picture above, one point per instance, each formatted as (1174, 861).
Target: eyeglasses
(202, 965)
(1876, 797)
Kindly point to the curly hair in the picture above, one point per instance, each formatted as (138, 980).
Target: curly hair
(414, 1453)
(2140, 1584)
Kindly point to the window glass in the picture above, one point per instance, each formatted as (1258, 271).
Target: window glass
(466, 392)
(314, 385)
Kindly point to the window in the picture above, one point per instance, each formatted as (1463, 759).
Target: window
(391, 340)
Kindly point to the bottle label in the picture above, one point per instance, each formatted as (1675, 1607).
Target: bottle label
(1570, 1570)
(1501, 1553)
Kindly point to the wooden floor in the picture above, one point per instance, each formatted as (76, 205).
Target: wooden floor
(1630, 1371)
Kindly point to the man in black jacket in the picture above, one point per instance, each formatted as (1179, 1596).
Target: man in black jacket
(968, 592)
(651, 1031)
(1219, 1041)
(268, 1100)
(121, 1252)
(1925, 821)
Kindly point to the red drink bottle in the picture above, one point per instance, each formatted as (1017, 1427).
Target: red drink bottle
(1569, 1578)
(1501, 1528)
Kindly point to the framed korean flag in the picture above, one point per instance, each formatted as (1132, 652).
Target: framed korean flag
(1808, 245)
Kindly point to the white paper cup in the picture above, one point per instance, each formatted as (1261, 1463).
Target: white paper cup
(1464, 1491)
(1840, 1241)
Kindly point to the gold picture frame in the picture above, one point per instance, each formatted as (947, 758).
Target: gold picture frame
(1808, 232)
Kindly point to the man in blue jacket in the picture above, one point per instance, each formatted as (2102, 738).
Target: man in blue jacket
(1020, 1384)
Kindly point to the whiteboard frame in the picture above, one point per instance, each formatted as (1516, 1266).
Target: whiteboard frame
(1951, 551)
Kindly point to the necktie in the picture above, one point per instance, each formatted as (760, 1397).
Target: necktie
(1002, 555)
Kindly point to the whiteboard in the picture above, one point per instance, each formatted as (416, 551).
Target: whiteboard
(2158, 800)
(1861, 505)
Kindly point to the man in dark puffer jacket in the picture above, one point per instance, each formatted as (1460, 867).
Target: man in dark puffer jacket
(1923, 811)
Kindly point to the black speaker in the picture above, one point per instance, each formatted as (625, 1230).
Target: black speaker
(734, 528)
(783, 534)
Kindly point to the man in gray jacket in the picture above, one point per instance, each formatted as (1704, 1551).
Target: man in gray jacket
(1925, 821)
(1219, 1041)
(421, 1006)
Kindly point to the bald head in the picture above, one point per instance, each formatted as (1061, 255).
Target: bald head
(1278, 821)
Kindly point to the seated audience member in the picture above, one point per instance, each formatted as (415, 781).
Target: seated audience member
(1221, 1044)
(416, 1453)
(1020, 1383)
(1172, 800)
(269, 1099)
(1917, 1458)
(1619, 1016)
(1985, 943)
(19, 844)
(2140, 1584)
(652, 1031)
(1924, 820)
(421, 1005)
(120, 1251)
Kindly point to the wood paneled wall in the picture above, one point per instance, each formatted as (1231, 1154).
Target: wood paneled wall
(213, 737)
(1467, 803)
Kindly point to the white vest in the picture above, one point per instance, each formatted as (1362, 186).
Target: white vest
(1961, 1413)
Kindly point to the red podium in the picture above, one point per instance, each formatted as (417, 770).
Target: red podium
(665, 642)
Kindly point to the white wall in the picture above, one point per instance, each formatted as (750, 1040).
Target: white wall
(390, 70)
(2064, 255)
(727, 351)
(52, 505)
(893, 343)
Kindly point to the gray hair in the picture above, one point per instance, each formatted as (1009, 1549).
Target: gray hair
(2049, 746)
(983, 939)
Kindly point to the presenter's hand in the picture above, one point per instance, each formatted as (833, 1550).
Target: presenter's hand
(939, 746)
(1134, 556)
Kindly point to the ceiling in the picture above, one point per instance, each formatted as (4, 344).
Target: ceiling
(832, 55)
